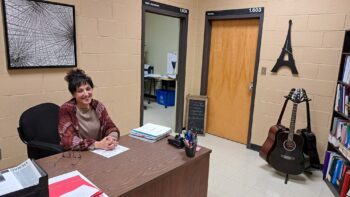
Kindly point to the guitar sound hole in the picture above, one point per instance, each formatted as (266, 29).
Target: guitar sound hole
(289, 145)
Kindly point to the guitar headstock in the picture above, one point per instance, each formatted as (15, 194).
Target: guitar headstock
(299, 96)
(290, 93)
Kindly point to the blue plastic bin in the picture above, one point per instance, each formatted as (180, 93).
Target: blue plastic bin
(165, 97)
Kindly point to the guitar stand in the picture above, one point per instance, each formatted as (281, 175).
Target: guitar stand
(308, 171)
(286, 180)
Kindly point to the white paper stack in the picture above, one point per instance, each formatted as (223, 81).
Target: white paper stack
(150, 132)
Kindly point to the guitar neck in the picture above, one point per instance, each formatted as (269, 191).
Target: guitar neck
(292, 122)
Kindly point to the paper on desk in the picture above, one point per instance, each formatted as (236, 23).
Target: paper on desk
(19, 177)
(83, 190)
(72, 174)
(153, 75)
(9, 184)
(110, 153)
(172, 76)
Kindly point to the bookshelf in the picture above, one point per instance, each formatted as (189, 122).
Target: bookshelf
(339, 138)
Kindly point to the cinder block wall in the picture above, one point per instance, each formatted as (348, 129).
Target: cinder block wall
(317, 37)
(108, 49)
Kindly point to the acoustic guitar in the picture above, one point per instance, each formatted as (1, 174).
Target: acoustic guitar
(310, 144)
(270, 141)
(287, 156)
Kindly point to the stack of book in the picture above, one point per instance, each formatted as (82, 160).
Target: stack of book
(342, 100)
(336, 170)
(150, 132)
(340, 133)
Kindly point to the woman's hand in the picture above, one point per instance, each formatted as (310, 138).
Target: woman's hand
(107, 143)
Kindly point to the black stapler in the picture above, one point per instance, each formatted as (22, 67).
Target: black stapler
(177, 141)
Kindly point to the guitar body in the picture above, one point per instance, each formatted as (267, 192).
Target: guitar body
(310, 147)
(270, 141)
(287, 156)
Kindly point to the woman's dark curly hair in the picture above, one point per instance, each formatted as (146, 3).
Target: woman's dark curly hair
(77, 77)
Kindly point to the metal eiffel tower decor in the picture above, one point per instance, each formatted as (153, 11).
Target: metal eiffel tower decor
(287, 49)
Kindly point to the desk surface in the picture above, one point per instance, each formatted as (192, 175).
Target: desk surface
(159, 77)
(134, 169)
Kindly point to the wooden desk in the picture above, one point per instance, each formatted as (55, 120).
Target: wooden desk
(147, 169)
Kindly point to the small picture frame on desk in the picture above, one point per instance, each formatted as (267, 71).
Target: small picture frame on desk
(196, 113)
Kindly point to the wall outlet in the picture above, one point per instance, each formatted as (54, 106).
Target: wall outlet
(263, 70)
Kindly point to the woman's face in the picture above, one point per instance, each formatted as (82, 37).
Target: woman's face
(83, 95)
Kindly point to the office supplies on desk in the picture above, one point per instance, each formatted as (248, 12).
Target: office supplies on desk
(110, 153)
(73, 184)
(26, 179)
(190, 142)
(177, 141)
(150, 132)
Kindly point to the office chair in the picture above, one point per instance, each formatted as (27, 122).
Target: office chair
(38, 129)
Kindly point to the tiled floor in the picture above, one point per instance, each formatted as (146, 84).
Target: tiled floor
(238, 171)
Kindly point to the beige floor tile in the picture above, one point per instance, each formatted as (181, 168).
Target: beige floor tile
(238, 171)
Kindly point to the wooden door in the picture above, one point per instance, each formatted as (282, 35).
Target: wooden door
(231, 71)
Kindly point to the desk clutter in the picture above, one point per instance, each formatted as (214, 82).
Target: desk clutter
(150, 132)
(73, 184)
(187, 139)
(26, 179)
(190, 141)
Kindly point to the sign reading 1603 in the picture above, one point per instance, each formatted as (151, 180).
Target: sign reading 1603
(255, 10)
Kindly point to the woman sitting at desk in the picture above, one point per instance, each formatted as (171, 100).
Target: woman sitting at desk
(84, 123)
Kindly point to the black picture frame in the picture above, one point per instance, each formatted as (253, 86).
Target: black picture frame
(196, 113)
(39, 34)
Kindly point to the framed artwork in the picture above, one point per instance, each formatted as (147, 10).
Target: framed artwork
(39, 34)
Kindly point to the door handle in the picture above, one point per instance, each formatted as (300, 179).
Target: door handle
(250, 87)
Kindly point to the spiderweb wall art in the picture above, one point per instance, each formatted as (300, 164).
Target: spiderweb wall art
(39, 34)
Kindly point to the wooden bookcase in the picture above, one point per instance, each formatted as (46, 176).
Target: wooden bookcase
(341, 108)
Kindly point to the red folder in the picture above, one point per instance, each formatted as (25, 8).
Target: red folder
(67, 185)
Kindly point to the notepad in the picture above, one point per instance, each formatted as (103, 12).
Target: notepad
(110, 153)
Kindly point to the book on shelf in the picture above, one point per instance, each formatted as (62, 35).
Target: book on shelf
(340, 133)
(333, 140)
(150, 132)
(336, 170)
(342, 176)
(345, 186)
(325, 163)
(342, 99)
(331, 166)
(336, 175)
(346, 70)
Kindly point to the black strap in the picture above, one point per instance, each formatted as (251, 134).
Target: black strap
(282, 111)
(307, 111)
